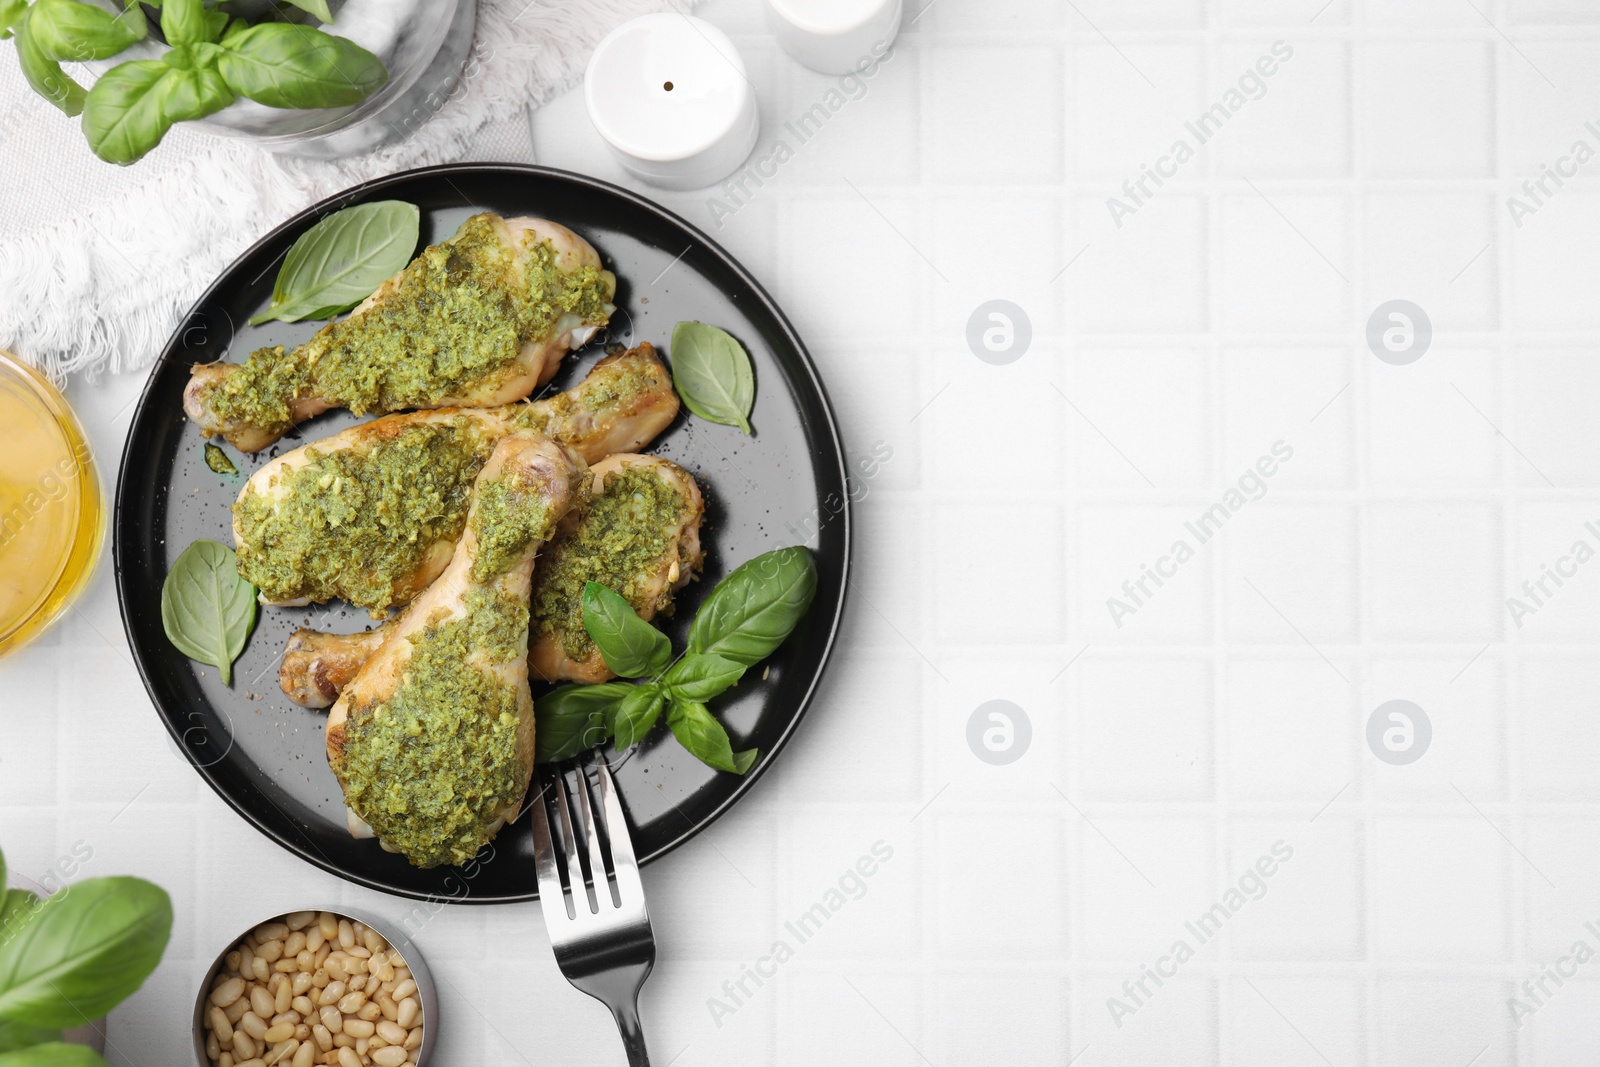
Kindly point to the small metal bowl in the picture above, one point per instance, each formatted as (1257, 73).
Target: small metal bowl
(427, 994)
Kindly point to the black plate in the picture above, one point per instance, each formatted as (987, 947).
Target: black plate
(786, 485)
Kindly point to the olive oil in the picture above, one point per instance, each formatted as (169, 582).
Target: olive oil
(51, 517)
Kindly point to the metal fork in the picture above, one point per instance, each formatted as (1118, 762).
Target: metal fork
(600, 932)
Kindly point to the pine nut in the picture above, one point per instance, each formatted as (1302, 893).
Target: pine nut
(359, 1028)
(299, 920)
(403, 990)
(410, 1012)
(277, 1035)
(322, 1036)
(332, 1019)
(221, 1026)
(227, 992)
(243, 1045)
(283, 1050)
(331, 993)
(347, 934)
(305, 1055)
(213, 1047)
(351, 1003)
(273, 931)
(389, 1056)
(348, 1058)
(304, 1006)
(253, 1024)
(392, 1032)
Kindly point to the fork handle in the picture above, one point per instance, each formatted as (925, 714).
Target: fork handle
(627, 1016)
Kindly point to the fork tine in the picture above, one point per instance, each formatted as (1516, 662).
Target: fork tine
(591, 832)
(629, 888)
(552, 902)
(569, 846)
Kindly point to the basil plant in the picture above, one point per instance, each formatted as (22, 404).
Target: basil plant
(70, 958)
(210, 60)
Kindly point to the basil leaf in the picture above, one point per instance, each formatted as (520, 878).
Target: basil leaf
(15, 1035)
(207, 609)
(54, 1054)
(573, 719)
(338, 263)
(638, 711)
(45, 74)
(630, 646)
(124, 116)
(194, 94)
(11, 12)
(69, 30)
(84, 951)
(284, 64)
(704, 737)
(701, 676)
(187, 22)
(319, 8)
(712, 374)
(757, 606)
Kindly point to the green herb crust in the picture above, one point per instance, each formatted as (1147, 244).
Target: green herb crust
(432, 767)
(624, 531)
(360, 524)
(456, 319)
(510, 515)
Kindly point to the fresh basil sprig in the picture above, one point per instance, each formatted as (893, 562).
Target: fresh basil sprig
(82, 951)
(210, 63)
(712, 374)
(341, 260)
(207, 610)
(747, 615)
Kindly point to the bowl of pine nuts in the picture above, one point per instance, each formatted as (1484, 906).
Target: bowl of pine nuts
(317, 988)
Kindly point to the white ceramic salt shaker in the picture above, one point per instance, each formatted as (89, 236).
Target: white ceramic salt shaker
(834, 36)
(669, 95)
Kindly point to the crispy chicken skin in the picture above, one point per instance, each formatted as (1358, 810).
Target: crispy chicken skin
(432, 740)
(301, 541)
(317, 666)
(432, 374)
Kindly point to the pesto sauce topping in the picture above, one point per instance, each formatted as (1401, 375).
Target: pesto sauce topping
(431, 767)
(457, 317)
(621, 538)
(358, 524)
(510, 515)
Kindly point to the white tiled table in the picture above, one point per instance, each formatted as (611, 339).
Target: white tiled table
(1227, 713)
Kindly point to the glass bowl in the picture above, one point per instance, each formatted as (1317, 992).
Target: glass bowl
(423, 45)
(52, 518)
